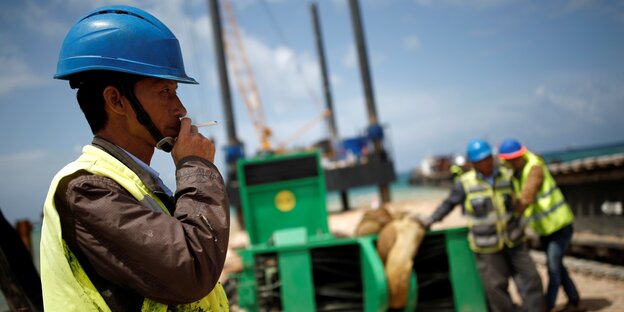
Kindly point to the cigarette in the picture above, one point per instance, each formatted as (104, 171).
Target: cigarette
(207, 124)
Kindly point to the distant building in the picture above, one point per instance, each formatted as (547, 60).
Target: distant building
(436, 170)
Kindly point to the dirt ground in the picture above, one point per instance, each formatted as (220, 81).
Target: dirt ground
(598, 293)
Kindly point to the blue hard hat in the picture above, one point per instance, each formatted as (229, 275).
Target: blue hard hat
(510, 149)
(478, 150)
(122, 39)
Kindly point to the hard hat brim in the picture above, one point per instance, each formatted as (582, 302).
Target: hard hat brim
(512, 155)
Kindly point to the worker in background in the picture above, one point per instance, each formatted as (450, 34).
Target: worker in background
(114, 237)
(548, 215)
(495, 233)
(456, 172)
(19, 280)
(458, 168)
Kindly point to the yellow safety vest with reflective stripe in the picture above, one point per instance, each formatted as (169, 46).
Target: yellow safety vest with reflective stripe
(549, 211)
(65, 285)
(456, 172)
(492, 222)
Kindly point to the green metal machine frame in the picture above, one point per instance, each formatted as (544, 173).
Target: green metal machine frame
(295, 264)
(282, 192)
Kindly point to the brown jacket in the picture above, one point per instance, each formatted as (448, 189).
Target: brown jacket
(131, 252)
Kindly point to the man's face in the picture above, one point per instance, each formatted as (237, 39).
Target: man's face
(161, 102)
(516, 163)
(485, 166)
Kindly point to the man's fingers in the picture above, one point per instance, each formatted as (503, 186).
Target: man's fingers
(185, 125)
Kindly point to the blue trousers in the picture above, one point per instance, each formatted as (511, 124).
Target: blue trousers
(555, 246)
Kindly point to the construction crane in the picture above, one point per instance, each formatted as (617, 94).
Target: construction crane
(246, 83)
(244, 76)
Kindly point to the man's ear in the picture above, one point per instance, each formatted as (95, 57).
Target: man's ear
(114, 101)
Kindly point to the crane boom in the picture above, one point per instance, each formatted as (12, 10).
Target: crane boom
(244, 76)
(246, 84)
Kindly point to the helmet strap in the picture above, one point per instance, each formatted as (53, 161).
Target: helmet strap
(163, 143)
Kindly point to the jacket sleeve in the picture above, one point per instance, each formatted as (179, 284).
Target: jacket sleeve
(456, 196)
(531, 187)
(171, 259)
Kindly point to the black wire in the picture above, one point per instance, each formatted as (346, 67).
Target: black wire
(285, 42)
(330, 291)
(276, 25)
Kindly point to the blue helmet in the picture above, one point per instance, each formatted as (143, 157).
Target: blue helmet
(478, 150)
(122, 39)
(510, 149)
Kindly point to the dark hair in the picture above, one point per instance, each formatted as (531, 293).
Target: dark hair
(90, 96)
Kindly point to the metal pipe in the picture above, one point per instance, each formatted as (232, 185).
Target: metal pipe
(234, 147)
(226, 97)
(358, 29)
(331, 121)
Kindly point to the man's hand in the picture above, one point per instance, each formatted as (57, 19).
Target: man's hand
(425, 221)
(192, 143)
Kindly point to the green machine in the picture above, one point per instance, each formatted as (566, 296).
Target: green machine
(293, 263)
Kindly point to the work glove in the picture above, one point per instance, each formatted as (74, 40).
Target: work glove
(425, 221)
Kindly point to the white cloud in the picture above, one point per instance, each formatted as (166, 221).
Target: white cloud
(39, 20)
(281, 73)
(288, 83)
(593, 100)
(411, 42)
(349, 59)
(424, 2)
(574, 5)
(12, 161)
(26, 176)
(37, 17)
(193, 32)
(77, 149)
(478, 4)
(339, 4)
(16, 74)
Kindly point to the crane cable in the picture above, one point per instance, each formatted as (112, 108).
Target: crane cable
(326, 113)
(278, 30)
(249, 90)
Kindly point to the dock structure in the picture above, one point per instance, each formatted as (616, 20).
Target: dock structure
(592, 181)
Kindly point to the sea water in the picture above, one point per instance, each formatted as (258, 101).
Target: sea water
(400, 190)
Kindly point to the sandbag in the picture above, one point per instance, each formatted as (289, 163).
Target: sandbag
(397, 245)
(373, 221)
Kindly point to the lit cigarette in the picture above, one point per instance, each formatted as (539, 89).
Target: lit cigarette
(207, 124)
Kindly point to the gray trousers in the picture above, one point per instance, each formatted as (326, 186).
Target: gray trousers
(495, 270)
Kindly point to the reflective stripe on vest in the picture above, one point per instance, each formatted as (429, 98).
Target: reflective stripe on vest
(549, 211)
(65, 285)
(490, 221)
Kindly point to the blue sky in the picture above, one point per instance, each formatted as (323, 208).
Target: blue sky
(550, 73)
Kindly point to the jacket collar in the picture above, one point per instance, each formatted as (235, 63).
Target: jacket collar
(124, 157)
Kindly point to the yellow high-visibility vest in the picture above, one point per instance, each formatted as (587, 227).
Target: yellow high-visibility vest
(549, 211)
(65, 284)
(492, 222)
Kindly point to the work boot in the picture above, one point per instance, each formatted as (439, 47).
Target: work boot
(573, 307)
